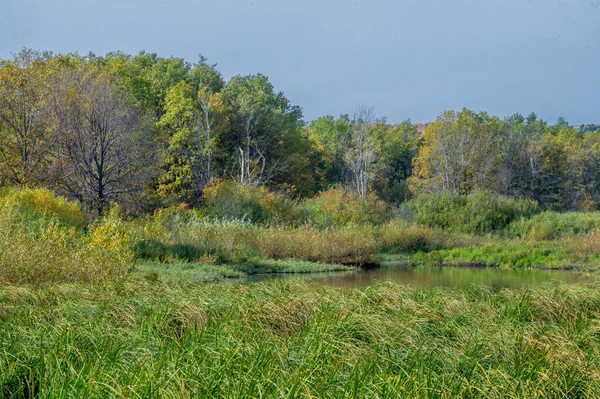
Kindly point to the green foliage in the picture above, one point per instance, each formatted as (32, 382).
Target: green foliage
(25, 128)
(476, 213)
(336, 208)
(332, 208)
(228, 199)
(399, 146)
(147, 338)
(330, 135)
(194, 122)
(174, 126)
(459, 154)
(577, 252)
(553, 225)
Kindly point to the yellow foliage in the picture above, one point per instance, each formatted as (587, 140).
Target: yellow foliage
(47, 249)
(33, 202)
(338, 208)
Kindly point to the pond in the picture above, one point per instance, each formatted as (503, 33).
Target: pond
(431, 276)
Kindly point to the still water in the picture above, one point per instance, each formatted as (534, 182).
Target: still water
(431, 276)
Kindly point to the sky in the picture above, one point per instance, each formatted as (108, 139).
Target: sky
(409, 59)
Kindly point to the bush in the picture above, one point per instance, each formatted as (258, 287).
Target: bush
(476, 213)
(231, 200)
(553, 225)
(226, 199)
(36, 204)
(47, 249)
(405, 237)
(335, 208)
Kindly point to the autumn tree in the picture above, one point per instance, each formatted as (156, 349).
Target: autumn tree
(459, 154)
(26, 138)
(101, 155)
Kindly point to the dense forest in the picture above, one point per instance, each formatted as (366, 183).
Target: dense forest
(149, 132)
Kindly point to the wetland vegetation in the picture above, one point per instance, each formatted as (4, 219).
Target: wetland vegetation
(146, 204)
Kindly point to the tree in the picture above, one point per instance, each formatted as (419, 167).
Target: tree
(459, 154)
(193, 122)
(205, 75)
(101, 156)
(399, 145)
(520, 155)
(146, 77)
(330, 135)
(260, 121)
(25, 124)
(362, 150)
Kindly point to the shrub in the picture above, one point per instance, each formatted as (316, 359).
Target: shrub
(334, 208)
(402, 236)
(553, 225)
(46, 249)
(231, 200)
(476, 213)
(33, 204)
(110, 245)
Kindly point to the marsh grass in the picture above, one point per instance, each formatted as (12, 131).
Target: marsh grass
(398, 236)
(293, 266)
(185, 273)
(177, 237)
(554, 225)
(192, 273)
(141, 338)
(582, 254)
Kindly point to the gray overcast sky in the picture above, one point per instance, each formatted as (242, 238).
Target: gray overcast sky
(409, 59)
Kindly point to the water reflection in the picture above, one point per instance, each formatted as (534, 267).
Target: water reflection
(430, 276)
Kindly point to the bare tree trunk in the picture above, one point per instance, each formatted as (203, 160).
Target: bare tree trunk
(206, 147)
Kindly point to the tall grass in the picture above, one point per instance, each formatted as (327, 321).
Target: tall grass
(398, 236)
(174, 236)
(34, 205)
(281, 339)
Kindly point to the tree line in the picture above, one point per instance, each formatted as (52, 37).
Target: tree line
(151, 132)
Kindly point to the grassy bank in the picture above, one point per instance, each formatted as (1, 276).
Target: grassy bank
(141, 338)
(190, 273)
(582, 253)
